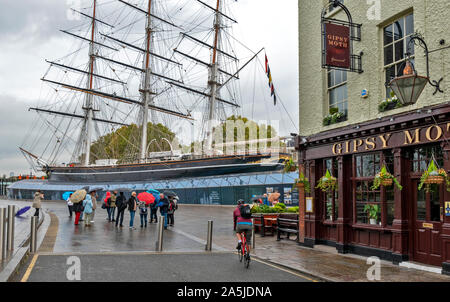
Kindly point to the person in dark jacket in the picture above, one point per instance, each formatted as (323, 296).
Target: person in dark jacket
(132, 207)
(121, 205)
(171, 211)
(78, 209)
(153, 211)
(163, 208)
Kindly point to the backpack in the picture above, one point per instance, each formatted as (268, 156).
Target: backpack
(246, 212)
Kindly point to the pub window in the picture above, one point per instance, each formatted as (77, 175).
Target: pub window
(389, 195)
(337, 91)
(366, 165)
(396, 37)
(331, 204)
(421, 157)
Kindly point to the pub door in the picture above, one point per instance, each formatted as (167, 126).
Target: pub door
(427, 225)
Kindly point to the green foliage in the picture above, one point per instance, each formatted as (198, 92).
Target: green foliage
(263, 131)
(390, 103)
(121, 144)
(327, 183)
(384, 175)
(372, 211)
(290, 166)
(302, 179)
(334, 118)
(433, 171)
(278, 208)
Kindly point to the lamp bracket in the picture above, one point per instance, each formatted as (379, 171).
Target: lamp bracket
(421, 42)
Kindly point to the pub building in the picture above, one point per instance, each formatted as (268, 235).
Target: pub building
(409, 224)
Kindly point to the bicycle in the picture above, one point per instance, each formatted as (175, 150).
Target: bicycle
(244, 252)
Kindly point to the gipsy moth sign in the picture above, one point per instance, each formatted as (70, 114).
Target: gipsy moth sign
(337, 45)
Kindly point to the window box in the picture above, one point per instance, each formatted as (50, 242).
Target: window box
(334, 118)
(390, 104)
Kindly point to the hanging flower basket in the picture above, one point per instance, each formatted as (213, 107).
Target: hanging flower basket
(302, 183)
(327, 183)
(289, 166)
(433, 175)
(385, 179)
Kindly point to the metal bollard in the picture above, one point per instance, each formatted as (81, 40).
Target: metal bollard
(11, 221)
(159, 244)
(253, 233)
(2, 234)
(209, 236)
(33, 233)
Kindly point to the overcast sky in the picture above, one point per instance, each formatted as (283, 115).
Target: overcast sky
(29, 34)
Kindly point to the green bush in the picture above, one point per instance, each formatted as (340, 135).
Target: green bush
(292, 210)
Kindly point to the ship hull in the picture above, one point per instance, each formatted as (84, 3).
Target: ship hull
(163, 170)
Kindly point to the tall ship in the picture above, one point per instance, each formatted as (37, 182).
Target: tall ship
(145, 93)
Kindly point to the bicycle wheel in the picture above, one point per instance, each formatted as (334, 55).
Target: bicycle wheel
(247, 259)
(240, 254)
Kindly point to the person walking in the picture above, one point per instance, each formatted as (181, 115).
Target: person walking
(143, 212)
(121, 205)
(112, 205)
(78, 208)
(88, 209)
(38, 197)
(153, 211)
(163, 208)
(94, 204)
(132, 207)
(171, 211)
(70, 205)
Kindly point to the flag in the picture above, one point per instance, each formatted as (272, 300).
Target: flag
(271, 86)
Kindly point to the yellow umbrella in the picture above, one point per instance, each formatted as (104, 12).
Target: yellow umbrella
(78, 196)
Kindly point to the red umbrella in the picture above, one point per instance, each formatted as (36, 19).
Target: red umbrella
(146, 197)
(108, 195)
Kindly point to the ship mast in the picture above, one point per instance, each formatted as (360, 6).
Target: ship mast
(146, 89)
(212, 83)
(89, 97)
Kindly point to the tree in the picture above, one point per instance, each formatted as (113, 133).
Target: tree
(238, 129)
(124, 143)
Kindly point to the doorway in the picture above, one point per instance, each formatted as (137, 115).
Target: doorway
(427, 224)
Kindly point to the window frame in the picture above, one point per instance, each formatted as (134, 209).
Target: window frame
(325, 195)
(405, 39)
(332, 72)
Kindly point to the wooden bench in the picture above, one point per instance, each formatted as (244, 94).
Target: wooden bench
(288, 224)
(259, 222)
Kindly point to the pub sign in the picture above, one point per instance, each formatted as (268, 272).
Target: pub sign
(337, 45)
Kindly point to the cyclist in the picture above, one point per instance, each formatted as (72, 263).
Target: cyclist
(242, 224)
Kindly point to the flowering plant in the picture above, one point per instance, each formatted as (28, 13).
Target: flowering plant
(389, 103)
(384, 178)
(327, 183)
(289, 166)
(302, 181)
(433, 175)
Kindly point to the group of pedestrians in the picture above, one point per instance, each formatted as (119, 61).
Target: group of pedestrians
(118, 203)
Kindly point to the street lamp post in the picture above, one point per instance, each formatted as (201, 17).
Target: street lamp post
(410, 86)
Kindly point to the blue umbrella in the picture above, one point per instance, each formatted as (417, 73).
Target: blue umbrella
(66, 195)
(22, 210)
(155, 193)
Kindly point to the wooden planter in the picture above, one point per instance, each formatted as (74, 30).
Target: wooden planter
(436, 179)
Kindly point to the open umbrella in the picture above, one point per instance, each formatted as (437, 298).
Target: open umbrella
(274, 196)
(78, 196)
(155, 194)
(146, 197)
(66, 195)
(170, 193)
(22, 210)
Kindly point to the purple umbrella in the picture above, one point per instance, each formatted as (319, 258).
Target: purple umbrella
(22, 210)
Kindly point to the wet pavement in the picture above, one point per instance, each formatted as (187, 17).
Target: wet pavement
(186, 267)
(189, 236)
